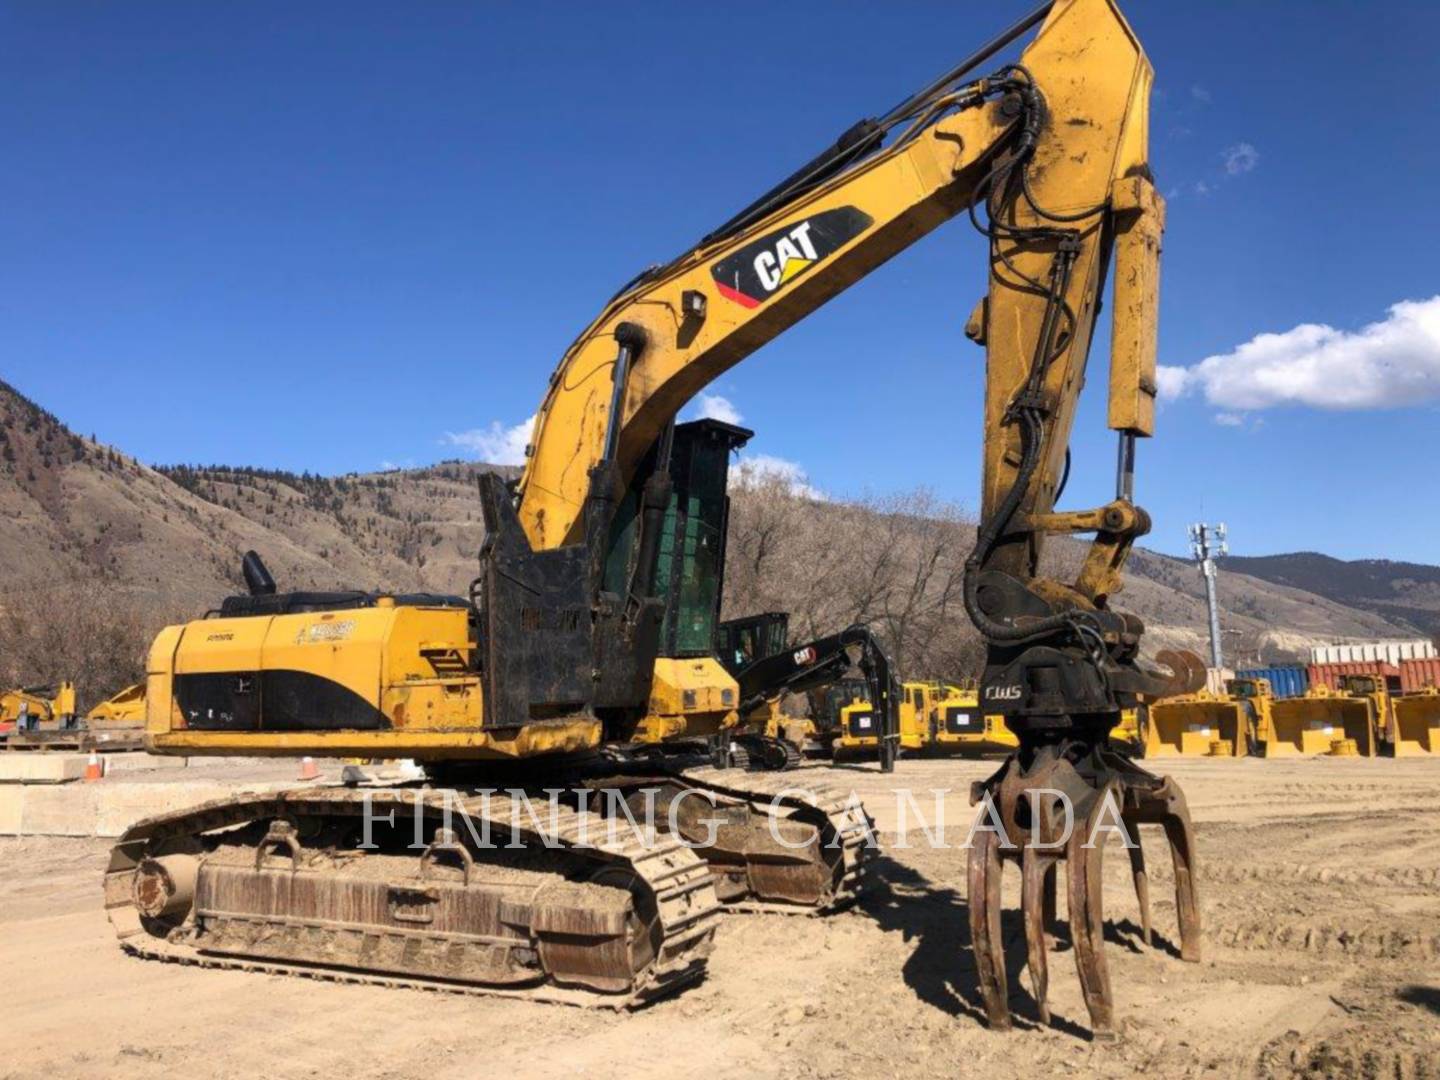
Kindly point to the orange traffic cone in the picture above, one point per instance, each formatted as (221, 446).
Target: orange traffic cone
(93, 769)
(308, 769)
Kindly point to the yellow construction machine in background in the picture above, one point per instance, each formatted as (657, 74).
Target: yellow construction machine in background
(1129, 735)
(1360, 716)
(934, 717)
(1341, 723)
(125, 709)
(958, 726)
(1415, 723)
(29, 708)
(1201, 724)
(860, 727)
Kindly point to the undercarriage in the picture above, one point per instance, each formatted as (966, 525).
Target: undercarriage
(604, 892)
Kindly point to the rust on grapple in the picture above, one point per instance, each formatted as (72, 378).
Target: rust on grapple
(1103, 790)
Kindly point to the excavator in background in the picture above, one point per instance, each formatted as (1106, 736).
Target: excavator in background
(29, 710)
(957, 725)
(756, 651)
(582, 660)
(862, 730)
(825, 707)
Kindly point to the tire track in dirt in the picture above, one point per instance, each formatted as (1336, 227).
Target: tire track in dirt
(1338, 939)
(1341, 1059)
(1221, 872)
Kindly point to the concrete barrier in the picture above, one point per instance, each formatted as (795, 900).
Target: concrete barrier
(41, 767)
(105, 809)
(139, 761)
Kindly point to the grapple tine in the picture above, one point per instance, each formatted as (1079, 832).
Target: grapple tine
(1035, 882)
(1087, 925)
(1142, 880)
(984, 900)
(1181, 835)
(1052, 919)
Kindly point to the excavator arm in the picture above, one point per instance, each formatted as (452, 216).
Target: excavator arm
(1070, 117)
(798, 669)
(1047, 157)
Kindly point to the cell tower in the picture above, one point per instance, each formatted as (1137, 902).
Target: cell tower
(1206, 543)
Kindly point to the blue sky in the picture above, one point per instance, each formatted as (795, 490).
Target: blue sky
(323, 236)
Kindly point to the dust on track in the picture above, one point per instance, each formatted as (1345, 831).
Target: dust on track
(1320, 889)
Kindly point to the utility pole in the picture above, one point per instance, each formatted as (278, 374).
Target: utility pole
(1206, 542)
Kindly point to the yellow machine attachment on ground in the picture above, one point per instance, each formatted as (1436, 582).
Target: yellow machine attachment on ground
(1415, 723)
(39, 706)
(1325, 721)
(1403, 725)
(957, 726)
(1201, 724)
(591, 624)
(125, 709)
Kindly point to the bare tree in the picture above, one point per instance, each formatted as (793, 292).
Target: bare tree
(894, 562)
(74, 631)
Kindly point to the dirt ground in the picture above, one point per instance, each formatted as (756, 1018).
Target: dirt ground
(1320, 889)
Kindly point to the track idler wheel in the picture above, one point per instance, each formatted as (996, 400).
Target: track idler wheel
(1103, 791)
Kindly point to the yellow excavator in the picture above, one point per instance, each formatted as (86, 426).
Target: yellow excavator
(863, 729)
(767, 667)
(581, 663)
(958, 726)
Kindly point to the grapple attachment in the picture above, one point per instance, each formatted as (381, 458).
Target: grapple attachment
(1058, 806)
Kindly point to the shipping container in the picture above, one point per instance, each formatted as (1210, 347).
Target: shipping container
(1329, 674)
(1290, 680)
(1368, 652)
(1415, 675)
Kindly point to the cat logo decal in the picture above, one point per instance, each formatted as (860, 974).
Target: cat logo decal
(761, 268)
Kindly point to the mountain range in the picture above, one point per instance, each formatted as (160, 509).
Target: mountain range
(168, 540)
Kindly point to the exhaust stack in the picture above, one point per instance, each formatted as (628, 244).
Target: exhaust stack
(257, 577)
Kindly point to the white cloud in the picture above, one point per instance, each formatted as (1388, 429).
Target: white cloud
(715, 407)
(1172, 381)
(496, 444)
(1388, 364)
(1201, 95)
(1202, 188)
(756, 469)
(1240, 158)
(1229, 419)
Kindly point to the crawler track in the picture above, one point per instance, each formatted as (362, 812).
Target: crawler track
(844, 846)
(524, 940)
